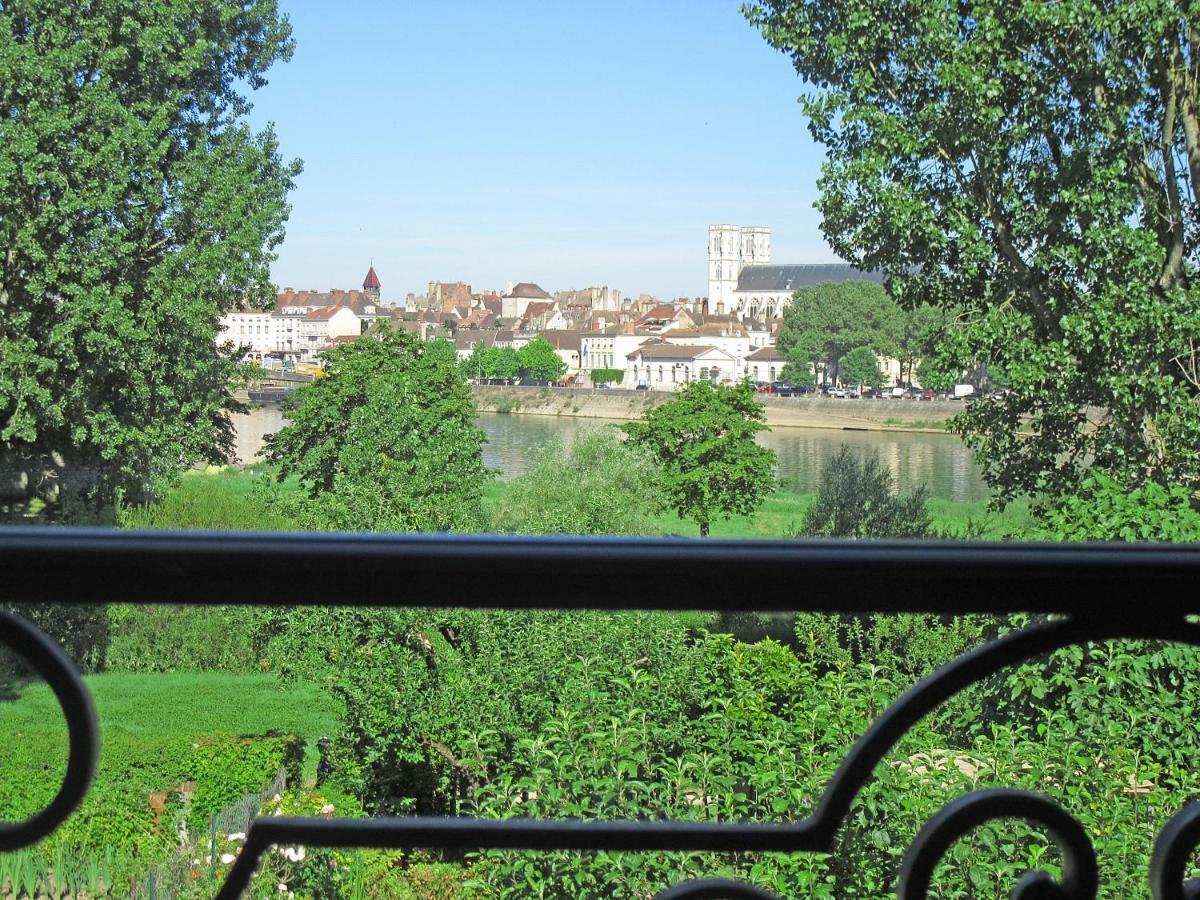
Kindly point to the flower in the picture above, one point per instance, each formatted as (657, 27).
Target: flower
(226, 858)
(238, 836)
(282, 888)
(327, 809)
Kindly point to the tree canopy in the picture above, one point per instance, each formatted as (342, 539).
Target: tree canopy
(824, 322)
(539, 361)
(387, 441)
(704, 441)
(861, 367)
(136, 206)
(1036, 166)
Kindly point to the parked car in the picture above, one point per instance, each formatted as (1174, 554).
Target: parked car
(643, 387)
(783, 390)
(928, 395)
(603, 386)
(837, 392)
(765, 388)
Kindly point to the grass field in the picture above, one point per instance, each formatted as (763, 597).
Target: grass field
(150, 707)
(227, 499)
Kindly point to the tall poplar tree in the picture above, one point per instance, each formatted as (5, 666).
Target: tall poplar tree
(1035, 166)
(136, 206)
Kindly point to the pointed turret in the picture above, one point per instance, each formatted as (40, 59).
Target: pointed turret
(371, 285)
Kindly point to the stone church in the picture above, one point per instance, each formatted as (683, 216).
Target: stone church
(742, 281)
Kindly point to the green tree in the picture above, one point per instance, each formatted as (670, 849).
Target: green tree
(599, 485)
(136, 206)
(797, 374)
(861, 366)
(824, 322)
(539, 361)
(704, 441)
(921, 328)
(387, 441)
(473, 365)
(501, 362)
(858, 499)
(1036, 165)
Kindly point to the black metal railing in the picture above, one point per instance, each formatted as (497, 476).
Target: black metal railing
(1092, 593)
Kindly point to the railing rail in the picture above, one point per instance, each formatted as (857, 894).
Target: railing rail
(1096, 592)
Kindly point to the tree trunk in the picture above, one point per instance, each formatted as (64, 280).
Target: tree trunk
(703, 529)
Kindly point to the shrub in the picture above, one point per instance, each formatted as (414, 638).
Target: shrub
(598, 485)
(857, 499)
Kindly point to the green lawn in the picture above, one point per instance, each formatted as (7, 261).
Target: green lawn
(150, 707)
(228, 500)
(227, 735)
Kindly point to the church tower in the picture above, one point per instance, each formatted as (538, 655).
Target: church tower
(724, 264)
(756, 245)
(371, 285)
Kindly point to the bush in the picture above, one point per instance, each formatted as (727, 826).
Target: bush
(175, 638)
(1103, 510)
(857, 499)
(598, 485)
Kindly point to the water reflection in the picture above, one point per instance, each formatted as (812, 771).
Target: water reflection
(940, 462)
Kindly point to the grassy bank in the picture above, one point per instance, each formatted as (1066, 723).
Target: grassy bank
(228, 499)
(176, 749)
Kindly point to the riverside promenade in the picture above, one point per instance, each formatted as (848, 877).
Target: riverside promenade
(782, 412)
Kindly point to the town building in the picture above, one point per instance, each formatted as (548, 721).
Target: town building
(670, 367)
(518, 297)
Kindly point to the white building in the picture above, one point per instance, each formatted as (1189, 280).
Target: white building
(669, 367)
(742, 282)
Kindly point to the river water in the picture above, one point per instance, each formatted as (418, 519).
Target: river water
(940, 462)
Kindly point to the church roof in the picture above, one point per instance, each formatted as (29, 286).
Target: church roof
(371, 282)
(788, 278)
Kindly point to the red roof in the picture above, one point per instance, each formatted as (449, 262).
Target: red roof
(371, 282)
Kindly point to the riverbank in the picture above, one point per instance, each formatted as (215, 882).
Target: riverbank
(925, 416)
(227, 499)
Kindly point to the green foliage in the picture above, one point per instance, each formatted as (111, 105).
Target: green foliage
(159, 732)
(599, 485)
(435, 698)
(175, 638)
(1104, 510)
(860, 367)
(1023, 165)
(703, 438)
(472, 366)
(136, 206)
(607, 376)
(387, 441)
(824, 322)
(500, 362)
(858, 499)
(81, 630)
(538, 361)
(797, 374)
(219, 500)
(922, 328)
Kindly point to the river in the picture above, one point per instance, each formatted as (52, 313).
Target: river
(940, 462)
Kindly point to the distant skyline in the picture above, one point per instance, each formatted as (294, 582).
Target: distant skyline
(569, 145)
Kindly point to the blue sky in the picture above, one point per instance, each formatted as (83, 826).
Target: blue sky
(569, 144)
